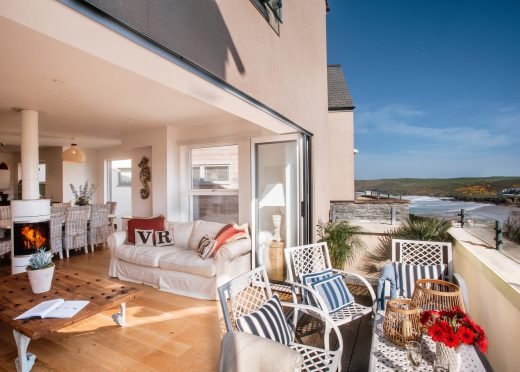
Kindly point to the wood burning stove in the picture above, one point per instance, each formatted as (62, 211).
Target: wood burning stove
(30, 230)
(29, 237)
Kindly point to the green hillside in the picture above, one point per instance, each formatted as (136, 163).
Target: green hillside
(464, 188)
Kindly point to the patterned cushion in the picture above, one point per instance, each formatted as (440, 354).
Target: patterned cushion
(163, 238)
(334, 291)
(267, 321)
(155, 223)
(308, 279)
(143, 237)
(231, 233)
(406, 275)
(206, 247)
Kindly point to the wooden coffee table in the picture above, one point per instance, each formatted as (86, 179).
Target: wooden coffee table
(16, 297)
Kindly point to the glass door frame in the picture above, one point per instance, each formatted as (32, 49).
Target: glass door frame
(303, 178)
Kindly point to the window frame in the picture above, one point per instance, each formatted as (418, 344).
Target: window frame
(191, 192)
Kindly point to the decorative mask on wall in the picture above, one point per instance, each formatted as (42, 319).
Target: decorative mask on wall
(145, 175)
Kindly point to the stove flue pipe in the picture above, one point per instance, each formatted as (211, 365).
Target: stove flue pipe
(30, 157)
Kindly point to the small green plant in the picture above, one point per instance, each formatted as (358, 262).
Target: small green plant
(84, 194)
(512, 229)
(413, 228)
(40, 260)
(342, 240)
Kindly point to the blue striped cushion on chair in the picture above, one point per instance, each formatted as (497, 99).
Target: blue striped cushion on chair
(335, 292)
(308, 279)
(267, 321)
(406, 275)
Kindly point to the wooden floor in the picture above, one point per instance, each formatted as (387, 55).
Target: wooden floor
(164, 332)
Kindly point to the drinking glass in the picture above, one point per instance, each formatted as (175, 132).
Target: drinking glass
(413, 352)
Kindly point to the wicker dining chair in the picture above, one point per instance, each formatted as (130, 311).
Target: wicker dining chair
(5, 212)
(99, 228)
(5, 247)
(76, 229)
(57, 232)
(248, 292)
(314, 258)
(61, 210)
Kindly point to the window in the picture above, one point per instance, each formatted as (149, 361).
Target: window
(124, 177)
(213, 189)
(271, 10)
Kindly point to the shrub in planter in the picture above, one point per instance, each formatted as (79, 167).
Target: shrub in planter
(342, 240)
(40, 271)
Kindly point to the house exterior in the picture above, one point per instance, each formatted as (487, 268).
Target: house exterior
(227, 100)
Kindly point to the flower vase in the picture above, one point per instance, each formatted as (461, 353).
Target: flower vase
(448, 356)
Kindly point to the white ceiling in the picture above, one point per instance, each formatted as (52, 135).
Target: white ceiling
(93, 101)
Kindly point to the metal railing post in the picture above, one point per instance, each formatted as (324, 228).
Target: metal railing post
(392, 215)
(461, 215)
(498, 235)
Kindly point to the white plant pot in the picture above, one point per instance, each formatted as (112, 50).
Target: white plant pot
(41, 280)
(450, 357)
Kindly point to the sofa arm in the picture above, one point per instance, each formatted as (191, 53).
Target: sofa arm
(234, 249)
(116, 239)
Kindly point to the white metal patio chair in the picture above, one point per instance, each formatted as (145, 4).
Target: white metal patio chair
(250, 291)
(418, 252)
(313, 258)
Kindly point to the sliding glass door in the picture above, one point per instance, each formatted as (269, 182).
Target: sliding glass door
(280, 199)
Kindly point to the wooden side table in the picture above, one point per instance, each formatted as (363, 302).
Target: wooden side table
(276, 261)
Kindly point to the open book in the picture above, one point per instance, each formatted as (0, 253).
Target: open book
(54, 309)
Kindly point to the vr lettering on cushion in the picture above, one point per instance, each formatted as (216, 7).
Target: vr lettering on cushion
(143, 237)
(163, 238)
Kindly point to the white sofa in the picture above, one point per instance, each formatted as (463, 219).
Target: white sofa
(179, 269)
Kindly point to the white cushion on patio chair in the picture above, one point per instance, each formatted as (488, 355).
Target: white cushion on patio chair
(244, 352)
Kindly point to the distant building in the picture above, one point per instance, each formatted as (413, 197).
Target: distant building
(513, 191)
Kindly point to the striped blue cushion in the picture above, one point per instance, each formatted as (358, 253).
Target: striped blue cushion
(267, 321)
(334, 291)
(406, 275)
(308, 279)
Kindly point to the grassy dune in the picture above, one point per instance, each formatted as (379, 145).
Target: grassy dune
(463, 188)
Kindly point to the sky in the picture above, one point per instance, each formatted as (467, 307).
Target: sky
(436, 85)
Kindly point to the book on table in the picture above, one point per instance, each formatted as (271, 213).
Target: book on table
(58, 308)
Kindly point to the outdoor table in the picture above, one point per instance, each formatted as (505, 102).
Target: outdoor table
(387, 356)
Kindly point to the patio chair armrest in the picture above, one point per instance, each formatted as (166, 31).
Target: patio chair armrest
(457, 279)
(311, 310)
(319, 300)
(363, 280)
(116, 239)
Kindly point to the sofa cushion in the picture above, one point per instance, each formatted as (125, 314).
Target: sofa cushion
(202, 228)
(188, 261)
(142, 255)
(181, 232)
(154, 223)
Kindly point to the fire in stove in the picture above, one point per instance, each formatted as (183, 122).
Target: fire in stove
(29, 237)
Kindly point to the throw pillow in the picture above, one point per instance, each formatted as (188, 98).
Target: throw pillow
(267, 321)
(163, 238)
(206, 247)
(334, 291)
(308, 279)
(143, 237)
(230, 233)
(154, 223)
(406, 275)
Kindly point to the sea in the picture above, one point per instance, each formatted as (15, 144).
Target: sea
(448, 207)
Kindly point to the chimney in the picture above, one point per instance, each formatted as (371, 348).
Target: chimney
(30, 158)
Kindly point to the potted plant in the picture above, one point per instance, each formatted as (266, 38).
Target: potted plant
(84, 194)
(40, 271)
(451, 329)
(342, 240)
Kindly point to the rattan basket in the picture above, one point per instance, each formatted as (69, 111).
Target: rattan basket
(402, 323)
(433, 294)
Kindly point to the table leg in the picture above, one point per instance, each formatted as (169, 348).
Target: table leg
(25, 360)
(119, 318)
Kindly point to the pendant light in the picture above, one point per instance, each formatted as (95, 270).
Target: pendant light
(73, 154)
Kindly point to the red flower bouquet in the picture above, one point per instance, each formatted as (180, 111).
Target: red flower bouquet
(453, 328)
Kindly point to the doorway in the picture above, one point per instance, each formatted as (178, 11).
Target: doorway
(280, 199)
(119, 185)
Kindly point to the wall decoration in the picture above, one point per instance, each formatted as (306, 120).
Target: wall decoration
(145, 175)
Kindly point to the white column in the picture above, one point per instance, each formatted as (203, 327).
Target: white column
(30, 159)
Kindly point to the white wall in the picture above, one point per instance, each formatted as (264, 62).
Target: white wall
(54, 173)
(78, 173)
(341, 155)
